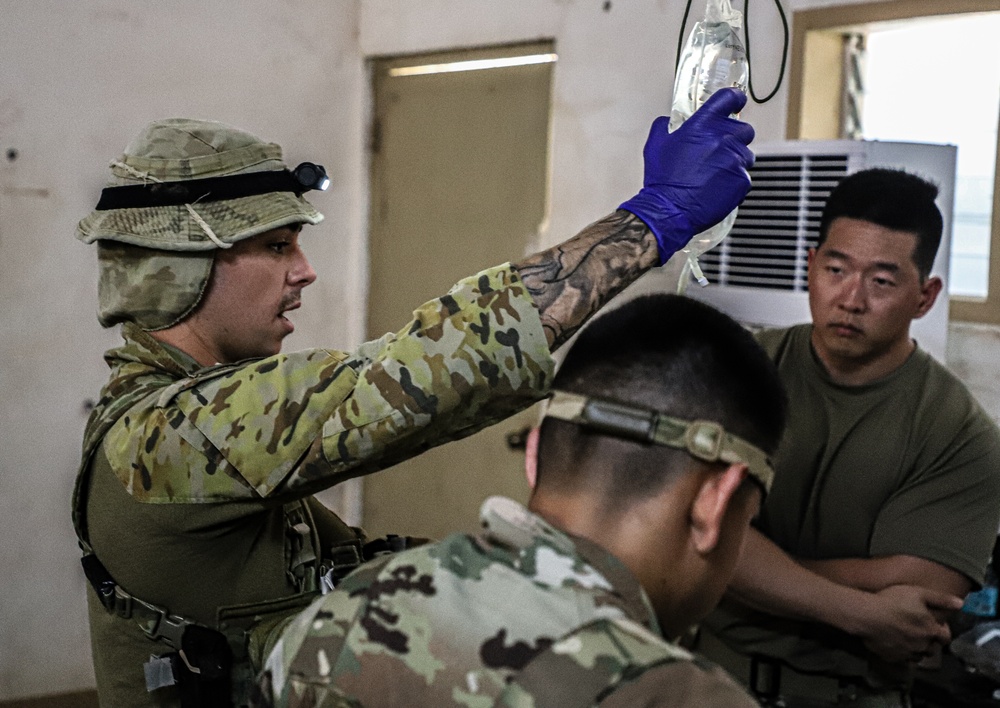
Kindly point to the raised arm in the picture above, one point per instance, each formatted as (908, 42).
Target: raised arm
(570, 282)
(692, 178)
(466, 360)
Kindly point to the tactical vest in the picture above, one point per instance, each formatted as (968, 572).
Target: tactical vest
(210, 664)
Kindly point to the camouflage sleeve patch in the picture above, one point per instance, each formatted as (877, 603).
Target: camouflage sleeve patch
(187, 466)
(252, 422)
(262, 417)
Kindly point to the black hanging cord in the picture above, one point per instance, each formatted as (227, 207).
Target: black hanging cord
(746, 34)
(784, 51)
(680, 37)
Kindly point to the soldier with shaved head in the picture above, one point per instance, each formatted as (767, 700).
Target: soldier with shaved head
(651, 460)
(193, 504)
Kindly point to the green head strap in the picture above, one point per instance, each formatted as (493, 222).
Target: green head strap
(703, 439)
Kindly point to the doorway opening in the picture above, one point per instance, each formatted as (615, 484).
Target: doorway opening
(459, 183)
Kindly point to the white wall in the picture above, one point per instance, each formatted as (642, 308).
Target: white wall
(81, 78)
(614, 75)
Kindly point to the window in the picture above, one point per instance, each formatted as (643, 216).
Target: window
(948, 95)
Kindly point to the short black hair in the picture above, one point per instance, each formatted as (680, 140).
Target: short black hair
(679, 356)
(895, 199)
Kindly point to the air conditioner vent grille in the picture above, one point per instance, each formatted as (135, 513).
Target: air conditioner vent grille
(777, 223)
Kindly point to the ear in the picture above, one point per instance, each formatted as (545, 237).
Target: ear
(810, 257)
(928, 295)
(531, 457)
(708, 510)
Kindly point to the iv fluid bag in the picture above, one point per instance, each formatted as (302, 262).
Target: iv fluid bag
(713, 58)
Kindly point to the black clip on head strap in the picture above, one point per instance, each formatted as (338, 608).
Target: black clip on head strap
(302, 179)
(703, 439)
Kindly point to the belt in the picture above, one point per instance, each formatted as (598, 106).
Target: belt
(764, 679)
(156, 622)
(774, 683)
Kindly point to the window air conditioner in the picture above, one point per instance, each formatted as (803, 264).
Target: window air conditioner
(758, 273)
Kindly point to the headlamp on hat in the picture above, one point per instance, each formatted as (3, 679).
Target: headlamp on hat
(311, 176)
(703, 439)
(307, 176)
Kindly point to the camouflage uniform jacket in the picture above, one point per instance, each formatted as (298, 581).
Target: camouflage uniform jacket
(194, 489)
(520, 615)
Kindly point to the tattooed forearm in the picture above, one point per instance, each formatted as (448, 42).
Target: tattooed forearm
(575, 279)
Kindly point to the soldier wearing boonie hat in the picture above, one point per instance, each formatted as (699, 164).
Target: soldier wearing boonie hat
(193, 504)
(157, 247)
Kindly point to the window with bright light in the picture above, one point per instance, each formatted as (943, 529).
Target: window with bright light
(938, 80)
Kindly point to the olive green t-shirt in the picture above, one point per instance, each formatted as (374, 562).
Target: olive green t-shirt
(909, 464)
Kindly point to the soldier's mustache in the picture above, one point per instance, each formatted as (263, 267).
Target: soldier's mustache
(291, 299)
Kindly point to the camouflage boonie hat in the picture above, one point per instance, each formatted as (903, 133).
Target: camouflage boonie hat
(155, 261)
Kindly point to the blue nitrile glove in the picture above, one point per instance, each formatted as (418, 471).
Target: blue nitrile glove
(696, 175)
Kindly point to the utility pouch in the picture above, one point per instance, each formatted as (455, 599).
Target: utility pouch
(344, 558)
(205, 673)
(391, 543)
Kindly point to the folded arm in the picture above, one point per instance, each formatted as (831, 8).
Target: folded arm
(875, 574)
(898, 621)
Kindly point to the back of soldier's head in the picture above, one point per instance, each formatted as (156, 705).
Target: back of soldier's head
(673, 354)
(894, 199)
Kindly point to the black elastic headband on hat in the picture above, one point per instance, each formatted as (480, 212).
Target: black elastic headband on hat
(303, 178)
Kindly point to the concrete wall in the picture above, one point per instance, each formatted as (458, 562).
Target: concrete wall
(81, 78)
